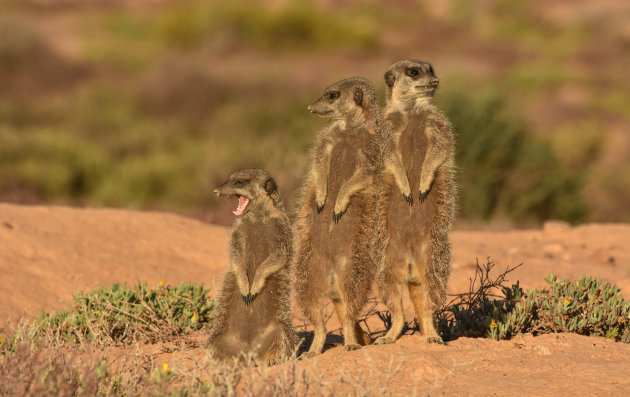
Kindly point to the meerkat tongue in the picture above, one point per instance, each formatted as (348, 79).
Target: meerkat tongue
(242, 205)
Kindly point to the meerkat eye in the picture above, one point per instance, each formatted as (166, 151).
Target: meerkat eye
(413, 72)
(431, 70)
(238, 182)
(333, 95)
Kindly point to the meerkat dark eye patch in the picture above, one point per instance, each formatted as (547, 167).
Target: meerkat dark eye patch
(431, 70)
(270, 186)
(332, 95)
(389, 79)
(413, 72)
(358, 96)
(239, 182)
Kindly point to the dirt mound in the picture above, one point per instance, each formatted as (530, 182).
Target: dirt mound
(47, 253)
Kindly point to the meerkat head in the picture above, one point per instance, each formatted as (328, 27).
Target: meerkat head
(253, 188)
(349, 99)
(409, 81)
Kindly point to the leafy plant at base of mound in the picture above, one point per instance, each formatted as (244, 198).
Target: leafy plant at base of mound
(586, 307)
(121, 314)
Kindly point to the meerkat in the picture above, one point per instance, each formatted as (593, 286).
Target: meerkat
(253, 314)
(411, 242)
(335, 212)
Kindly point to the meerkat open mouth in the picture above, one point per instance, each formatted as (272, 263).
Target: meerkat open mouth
(242, 205)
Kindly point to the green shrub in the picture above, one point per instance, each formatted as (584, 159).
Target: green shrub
(503, 169)
(120, 314)
(586, 307)
(51, 164)
(296, 25)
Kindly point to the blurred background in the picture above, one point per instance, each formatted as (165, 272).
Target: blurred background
(149, 104)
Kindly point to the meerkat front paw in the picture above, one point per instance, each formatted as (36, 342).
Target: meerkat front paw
(354, 346)
(384, 340)
(408, 198)
(320, 202)
(340, 209)
(423, 195)
(337, 215)
(249, 298)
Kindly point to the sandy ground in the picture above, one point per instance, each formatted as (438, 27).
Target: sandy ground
(48, 253)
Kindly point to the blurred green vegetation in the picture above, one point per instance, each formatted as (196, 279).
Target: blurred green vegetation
(503, 169)
(296, 25)
(150, 110)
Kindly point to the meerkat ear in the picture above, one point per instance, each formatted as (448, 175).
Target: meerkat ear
(358, 96)
(389, 79)
(270, 185)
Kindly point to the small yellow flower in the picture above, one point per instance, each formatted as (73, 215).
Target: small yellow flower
(161, 282)
(204, 380)
(493, 323)
(567, 300)
(194, 317)
(495, 309)
(165, 367)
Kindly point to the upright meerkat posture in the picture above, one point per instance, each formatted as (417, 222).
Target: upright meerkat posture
(335, 212)
(253, 314)
(411, 242)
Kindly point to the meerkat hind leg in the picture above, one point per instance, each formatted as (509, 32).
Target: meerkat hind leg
(361, 337)
(395, 307)
(424, 310)
(319, 333)
(349, 335)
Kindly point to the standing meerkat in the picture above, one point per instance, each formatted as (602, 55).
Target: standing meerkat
(335, 212)
(253, 314)
(411, 244)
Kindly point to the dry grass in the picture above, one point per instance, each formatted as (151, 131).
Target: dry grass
(176, 368)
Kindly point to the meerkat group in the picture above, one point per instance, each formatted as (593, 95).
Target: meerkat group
(356, 221)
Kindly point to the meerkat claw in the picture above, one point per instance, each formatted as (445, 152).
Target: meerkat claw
(320, 208)
(245, 299)
(408, 198)
(252, 297)
(423, 195)
(337, 216)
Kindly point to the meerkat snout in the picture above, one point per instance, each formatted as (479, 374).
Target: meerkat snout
(435, 82)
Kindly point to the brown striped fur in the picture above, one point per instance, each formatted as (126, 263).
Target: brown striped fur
(411, 242)
(253, 313)
(335, 213)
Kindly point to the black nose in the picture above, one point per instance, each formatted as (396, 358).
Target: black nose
(310, 109)
(435, 82)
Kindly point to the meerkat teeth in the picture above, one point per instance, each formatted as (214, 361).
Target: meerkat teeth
(243, 202)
